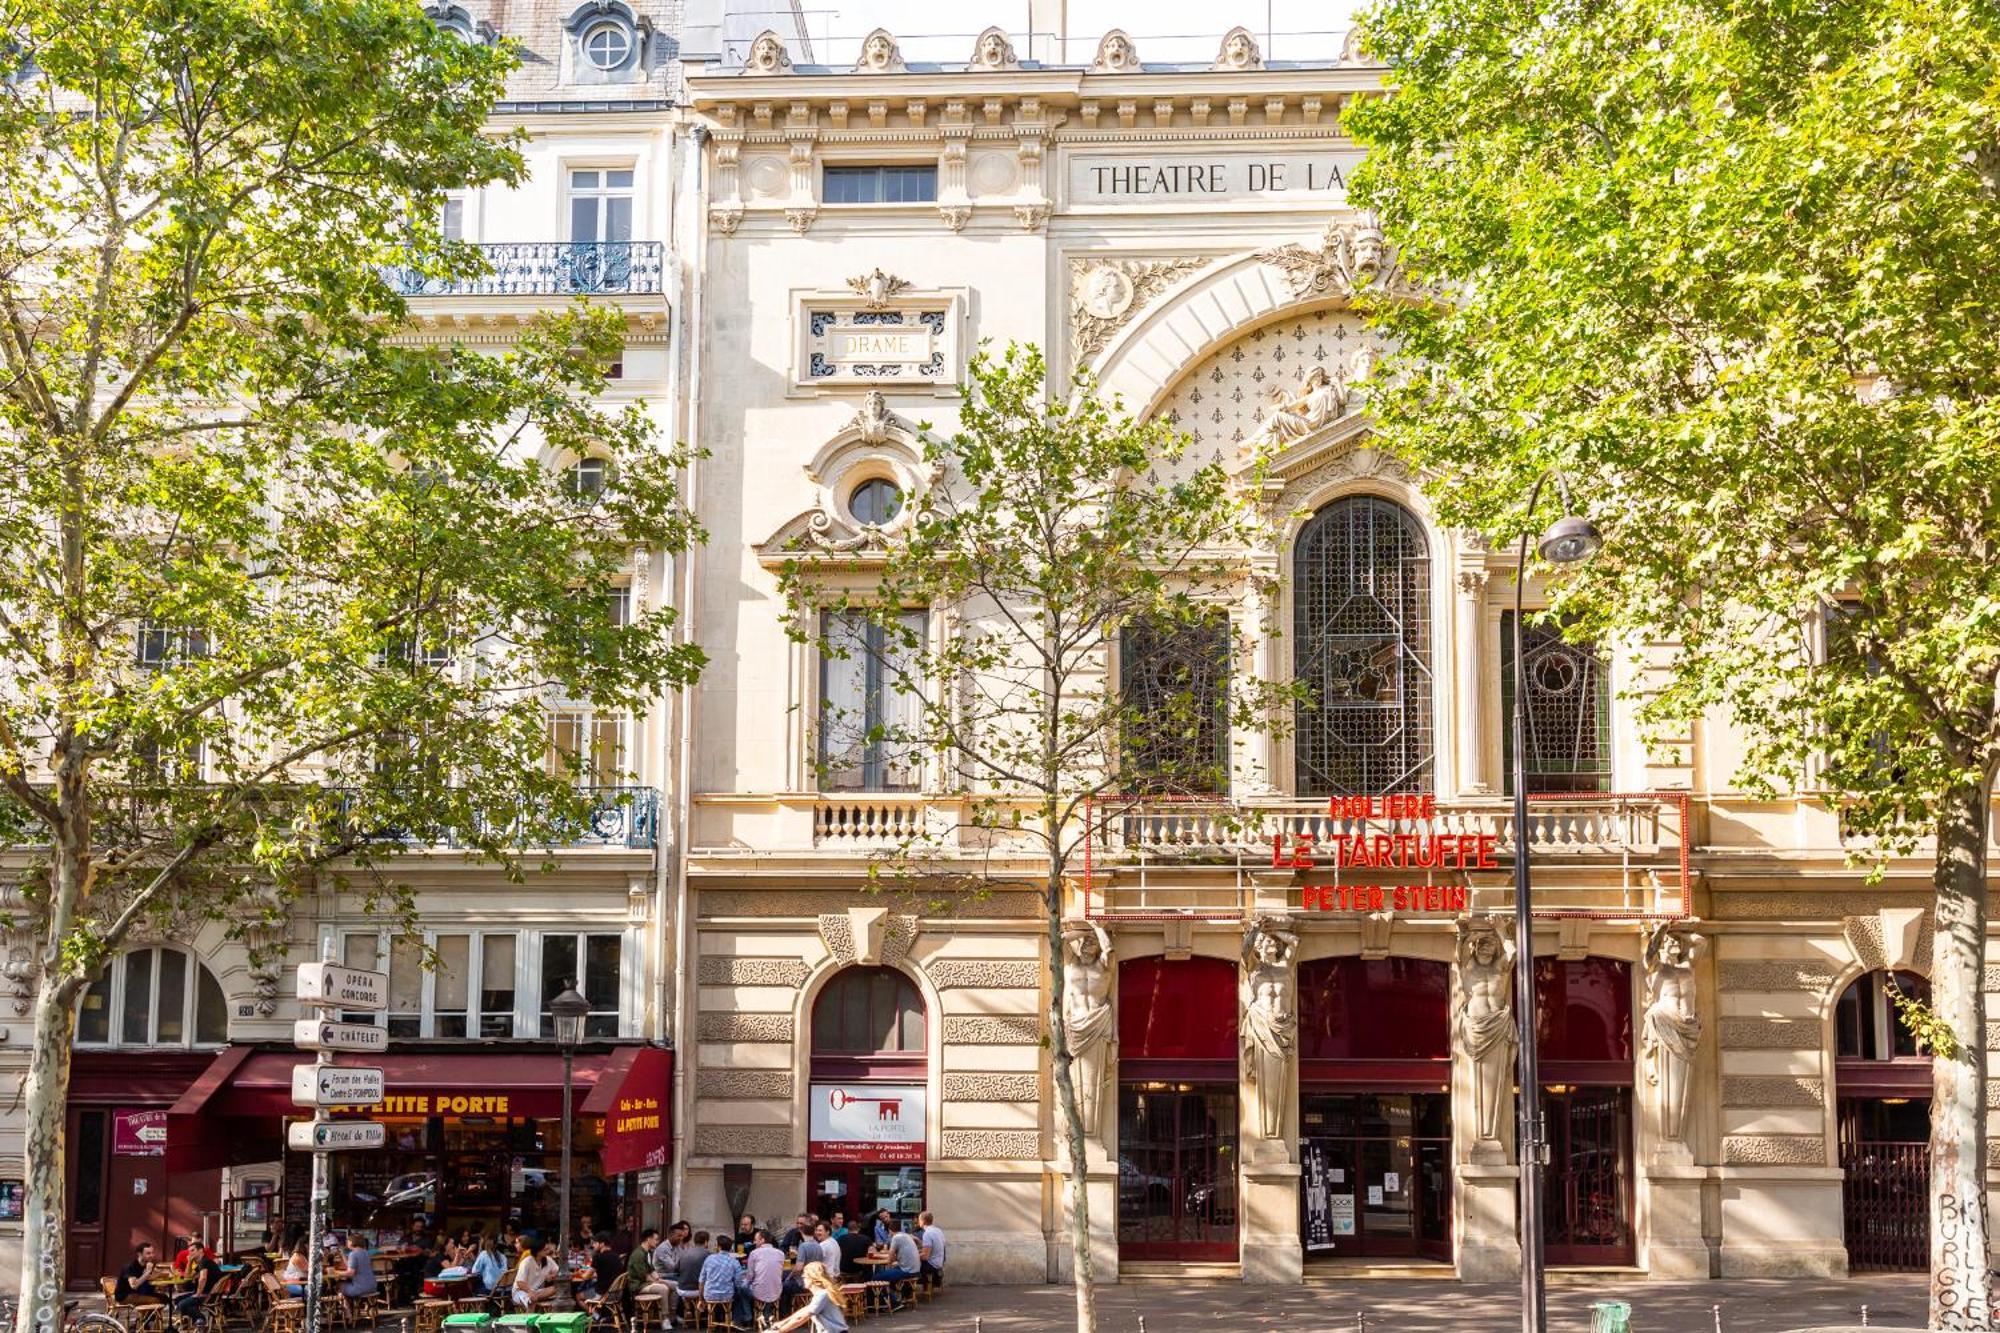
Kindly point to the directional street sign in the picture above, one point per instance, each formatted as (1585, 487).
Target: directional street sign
(150, 1133)
(335, 1085)
(334, 1135)
(343, 987)
(323, 1034)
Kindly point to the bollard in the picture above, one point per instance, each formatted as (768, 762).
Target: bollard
(1864, 1316)
(1716, 1310)
(1142, 1324)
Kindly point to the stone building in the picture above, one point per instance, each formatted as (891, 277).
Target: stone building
(1298, 1074)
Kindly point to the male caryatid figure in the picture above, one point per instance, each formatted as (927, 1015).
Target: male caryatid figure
(1087, 1020)
(1486, 1027)
(1270, 1018)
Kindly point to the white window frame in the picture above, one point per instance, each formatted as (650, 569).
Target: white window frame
(571, 192)
(113, 984)
(527, 974)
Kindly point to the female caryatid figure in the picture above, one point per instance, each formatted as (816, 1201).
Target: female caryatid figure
(1486, 1027)
(1673, 1028)
(1270, 1018)
(1087, 1019)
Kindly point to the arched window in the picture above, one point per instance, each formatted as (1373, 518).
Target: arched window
(1866, 1025)
(869, 1011)
(153, 997)
(588, 479)
(1362, 646)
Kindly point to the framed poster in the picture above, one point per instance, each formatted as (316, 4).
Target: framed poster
(13, 1196)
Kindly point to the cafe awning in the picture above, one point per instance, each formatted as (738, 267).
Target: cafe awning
(488, 1084)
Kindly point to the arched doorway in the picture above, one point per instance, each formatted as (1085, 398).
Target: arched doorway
(1361, 596)
(1584, 1026)
(1884, 1090)
(865, 1147)
(1177, 1110)
(1375, 1108)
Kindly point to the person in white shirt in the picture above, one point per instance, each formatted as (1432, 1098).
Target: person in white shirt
(931, 1248)
(534, 1280)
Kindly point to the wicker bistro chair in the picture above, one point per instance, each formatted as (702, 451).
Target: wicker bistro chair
(854, 1301)
(718, 1317)
(607, 1309)
(283, 1312)
(429, 1313)
(138, 1317)
(648, 1312)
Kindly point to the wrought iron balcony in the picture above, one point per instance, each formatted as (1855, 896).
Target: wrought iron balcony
(626, 817)
(551, 268)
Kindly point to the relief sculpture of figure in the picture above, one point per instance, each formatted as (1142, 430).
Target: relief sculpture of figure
(1318, 400)
(1672, 1028)
(1087, 1020)
(1486, 1027)
(1324, 400)
(1270, 1018)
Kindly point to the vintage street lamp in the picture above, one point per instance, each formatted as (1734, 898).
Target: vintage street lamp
(570, 1009)
(1568, 541)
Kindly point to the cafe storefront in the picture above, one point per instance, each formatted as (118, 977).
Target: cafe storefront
(474, 1139)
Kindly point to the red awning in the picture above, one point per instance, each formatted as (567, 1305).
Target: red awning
(632, 1094)
(243, 1082)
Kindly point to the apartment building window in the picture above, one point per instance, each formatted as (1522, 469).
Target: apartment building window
(592, 963)
(588, 747)
(153, 997)
(402, 958)
(600, 204)
(451, 217)
(495, 985)
(1569, 710)
(157, 646)
(1175, 678)
(880, 185)
(869, 705)
(588, 479)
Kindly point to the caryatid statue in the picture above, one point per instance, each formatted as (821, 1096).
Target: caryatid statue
(1486, 1026)
(1087, 1020)
(1672, 1027)
(1270, 1017)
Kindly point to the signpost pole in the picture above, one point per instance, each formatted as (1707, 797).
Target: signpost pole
(316, 1229)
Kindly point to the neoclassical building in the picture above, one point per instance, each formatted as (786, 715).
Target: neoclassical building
(1309, 1065)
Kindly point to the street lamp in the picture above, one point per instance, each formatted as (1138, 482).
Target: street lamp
(1568, 541)
(570, 1009)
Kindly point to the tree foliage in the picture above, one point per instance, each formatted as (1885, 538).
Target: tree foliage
(285, 582)
(1725, 267)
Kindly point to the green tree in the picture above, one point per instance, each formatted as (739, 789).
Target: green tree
(1038, 554)
(283, 585)
(1725, 268)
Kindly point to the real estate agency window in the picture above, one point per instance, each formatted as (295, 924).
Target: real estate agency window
(600, 204)
(869, 701)
(593, 963)
(1568, 710)
(888, 183)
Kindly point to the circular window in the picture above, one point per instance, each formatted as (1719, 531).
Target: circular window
(875, 501)
(607, 45)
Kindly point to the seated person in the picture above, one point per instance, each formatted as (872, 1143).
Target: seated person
(904, 1262)
(605, 1265)
(487, 1266)
(135, 1280)
(829, 1248)
(535, 1279)
(208, 1281)
(295, 1272)
(822, 1310)
(360, 1276)
(764, 1269)
(931, 1247)
(723, 1281)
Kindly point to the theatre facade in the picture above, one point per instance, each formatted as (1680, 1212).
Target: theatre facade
(1295, 1002)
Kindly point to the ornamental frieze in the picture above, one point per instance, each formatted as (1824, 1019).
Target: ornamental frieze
(1105, 294)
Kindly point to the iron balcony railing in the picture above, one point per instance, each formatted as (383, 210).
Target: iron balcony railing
(551, 268)
(616, 817)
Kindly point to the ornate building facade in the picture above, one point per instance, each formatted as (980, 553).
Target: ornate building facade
(1287, 1064)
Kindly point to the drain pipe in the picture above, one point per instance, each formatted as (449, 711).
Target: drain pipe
(659, 1003)
(694, 204)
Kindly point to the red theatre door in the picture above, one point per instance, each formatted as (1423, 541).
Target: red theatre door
(1584, 1019)
(1177, 1110)
(1375, 1108)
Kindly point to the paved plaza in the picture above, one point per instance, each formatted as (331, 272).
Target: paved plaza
(1763, 1306)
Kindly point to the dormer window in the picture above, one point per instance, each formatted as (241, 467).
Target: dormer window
(607, 44)
(455, 20)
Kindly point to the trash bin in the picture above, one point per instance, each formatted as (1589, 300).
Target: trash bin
(520, 1323)
(1610, 1317)
(472, 1323)
(569, 1322)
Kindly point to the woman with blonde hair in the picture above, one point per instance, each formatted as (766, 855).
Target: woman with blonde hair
(822, 1309)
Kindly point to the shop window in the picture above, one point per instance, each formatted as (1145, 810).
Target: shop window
(1361, 646)
(1569, 710)
(880, 185)
(870, 705)
(591, 963)
(869, 1011)
(153, 997)
(1865, 1023)
(1175, 679)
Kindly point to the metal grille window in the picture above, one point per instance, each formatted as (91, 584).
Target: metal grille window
(1175, 678)
(1362, 643)
(1569, 710)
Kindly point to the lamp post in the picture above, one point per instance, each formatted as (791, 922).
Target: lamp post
(570, 1009)
(1568, 541)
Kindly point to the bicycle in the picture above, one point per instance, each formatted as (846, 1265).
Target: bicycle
(75, 1319)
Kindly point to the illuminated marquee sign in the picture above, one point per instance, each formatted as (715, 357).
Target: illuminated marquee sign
(1379, 852)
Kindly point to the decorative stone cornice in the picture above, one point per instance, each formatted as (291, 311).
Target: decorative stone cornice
(773, 1085)
(742, 1141)
(1773, 1090)
(787, 972)
(994, 974)
(991, 1087)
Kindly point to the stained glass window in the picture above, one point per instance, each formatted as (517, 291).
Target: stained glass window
(1569, 710)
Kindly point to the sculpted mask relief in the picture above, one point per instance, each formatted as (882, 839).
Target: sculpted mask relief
(992, 50)
(767, 55)
(1116, 54)
(1239, 51)
(879, 54)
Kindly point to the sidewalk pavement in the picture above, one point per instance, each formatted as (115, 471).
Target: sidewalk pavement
(1430, 1306)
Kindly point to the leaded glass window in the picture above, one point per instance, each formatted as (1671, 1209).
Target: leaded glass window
(1362, 650)
(1569, 710)
(1175, 677)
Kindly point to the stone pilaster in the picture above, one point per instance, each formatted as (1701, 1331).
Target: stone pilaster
(1470, 621)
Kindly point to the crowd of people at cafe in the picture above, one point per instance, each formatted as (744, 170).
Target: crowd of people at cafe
(769, 1277)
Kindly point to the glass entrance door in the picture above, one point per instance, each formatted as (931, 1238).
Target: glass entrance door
(1376, 1175)
(1177, 1172)
(1587, 1194)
